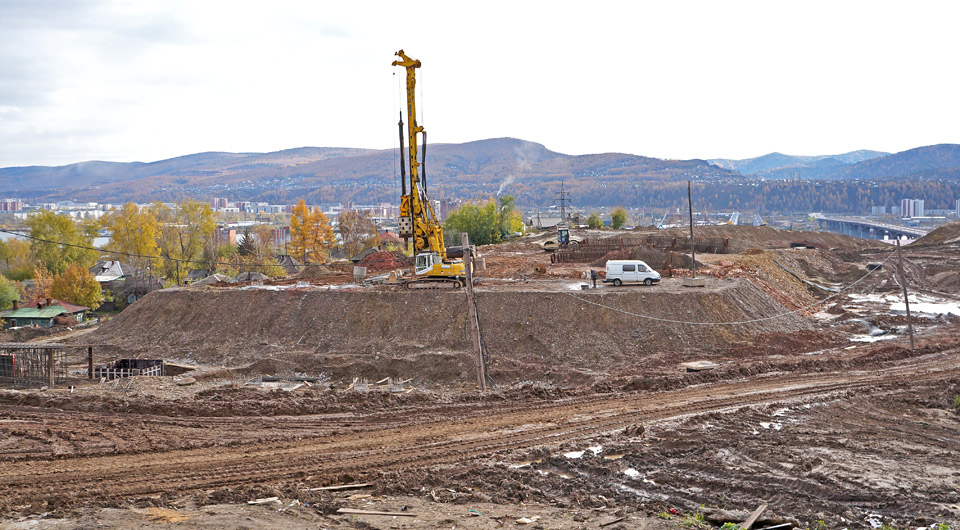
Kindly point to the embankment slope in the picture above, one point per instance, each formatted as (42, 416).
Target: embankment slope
(386, 331)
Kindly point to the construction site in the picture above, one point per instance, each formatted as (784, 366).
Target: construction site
(790, 390)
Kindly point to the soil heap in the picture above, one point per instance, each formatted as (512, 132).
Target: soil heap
(415, 332)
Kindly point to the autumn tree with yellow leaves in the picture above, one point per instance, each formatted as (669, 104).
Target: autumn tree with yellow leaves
(77, 286)
(133, 235)
(311, 236)
(183, 232)
(57, 240)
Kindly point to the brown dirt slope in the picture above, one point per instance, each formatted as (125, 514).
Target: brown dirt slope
(581, 329)
(948, 233)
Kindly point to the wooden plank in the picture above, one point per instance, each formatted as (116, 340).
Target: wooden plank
(343, 487)
(372, 512)
(608, 523)
(753, 517)
(265, 500)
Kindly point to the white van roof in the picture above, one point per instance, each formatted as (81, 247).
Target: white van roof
(621, 261)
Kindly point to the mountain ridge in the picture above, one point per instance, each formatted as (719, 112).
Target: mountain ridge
(771, 162)
(477, 169)
(465, 169)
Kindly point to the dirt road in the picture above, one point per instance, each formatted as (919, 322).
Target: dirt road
(223, 453)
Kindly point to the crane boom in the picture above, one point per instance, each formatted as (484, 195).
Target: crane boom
(433, 267)
(417, 218)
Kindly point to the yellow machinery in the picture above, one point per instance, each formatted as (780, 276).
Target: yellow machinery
(434, 269)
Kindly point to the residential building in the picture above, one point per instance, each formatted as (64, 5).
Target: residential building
(911, 208)
(11, 205)
(42, 313)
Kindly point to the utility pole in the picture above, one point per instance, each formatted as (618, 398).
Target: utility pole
(474, 316)
(693, 281)
(693, 249)
(906, 302)
(563, 198)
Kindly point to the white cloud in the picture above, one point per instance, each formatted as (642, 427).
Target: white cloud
(149, 80)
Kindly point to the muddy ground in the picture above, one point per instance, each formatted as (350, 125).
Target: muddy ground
(817, 406)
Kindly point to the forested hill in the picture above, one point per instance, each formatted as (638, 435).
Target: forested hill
(774, 165)
(529, 171)
(933, 161)
(325, 175)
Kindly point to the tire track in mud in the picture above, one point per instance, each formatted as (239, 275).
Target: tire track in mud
(486, 430)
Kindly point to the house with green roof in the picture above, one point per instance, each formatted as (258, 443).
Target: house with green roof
(41, 313)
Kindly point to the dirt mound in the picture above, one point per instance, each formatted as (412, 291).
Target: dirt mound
(316, 271)
(948, 282)
(741, 238)
(384, 261)
(948, 233)
(529, 334)
(771, 271)
(660, 260)
(25, 334)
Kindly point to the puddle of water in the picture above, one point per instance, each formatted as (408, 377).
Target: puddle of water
(871, 338)
(926, 309)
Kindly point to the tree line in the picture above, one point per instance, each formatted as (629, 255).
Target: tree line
(164, 241)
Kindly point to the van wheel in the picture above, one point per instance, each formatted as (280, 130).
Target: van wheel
(648, 281)
(617, 282)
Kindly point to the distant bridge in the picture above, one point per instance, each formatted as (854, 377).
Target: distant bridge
(866, 228)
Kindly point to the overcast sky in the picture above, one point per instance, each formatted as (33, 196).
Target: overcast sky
(147, 80)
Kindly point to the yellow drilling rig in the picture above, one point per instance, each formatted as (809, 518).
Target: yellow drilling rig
(434, 268)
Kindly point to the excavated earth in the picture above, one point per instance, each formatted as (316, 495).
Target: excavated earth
(591, 421)
(530, 334)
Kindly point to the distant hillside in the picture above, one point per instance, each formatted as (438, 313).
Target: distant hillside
(772, 164)
(98, 174)
(524, 169)
(933, 161)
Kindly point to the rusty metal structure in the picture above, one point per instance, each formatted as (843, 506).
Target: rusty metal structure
(591, 251)
(32, 364)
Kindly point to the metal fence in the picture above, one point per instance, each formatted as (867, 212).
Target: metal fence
(31, 365)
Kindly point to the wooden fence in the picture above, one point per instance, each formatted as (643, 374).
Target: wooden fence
(128, 368)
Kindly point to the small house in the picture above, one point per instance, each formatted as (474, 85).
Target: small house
(290, 264)
(106, 271)
(42, 313)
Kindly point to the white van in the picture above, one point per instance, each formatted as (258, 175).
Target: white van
(620, 271)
